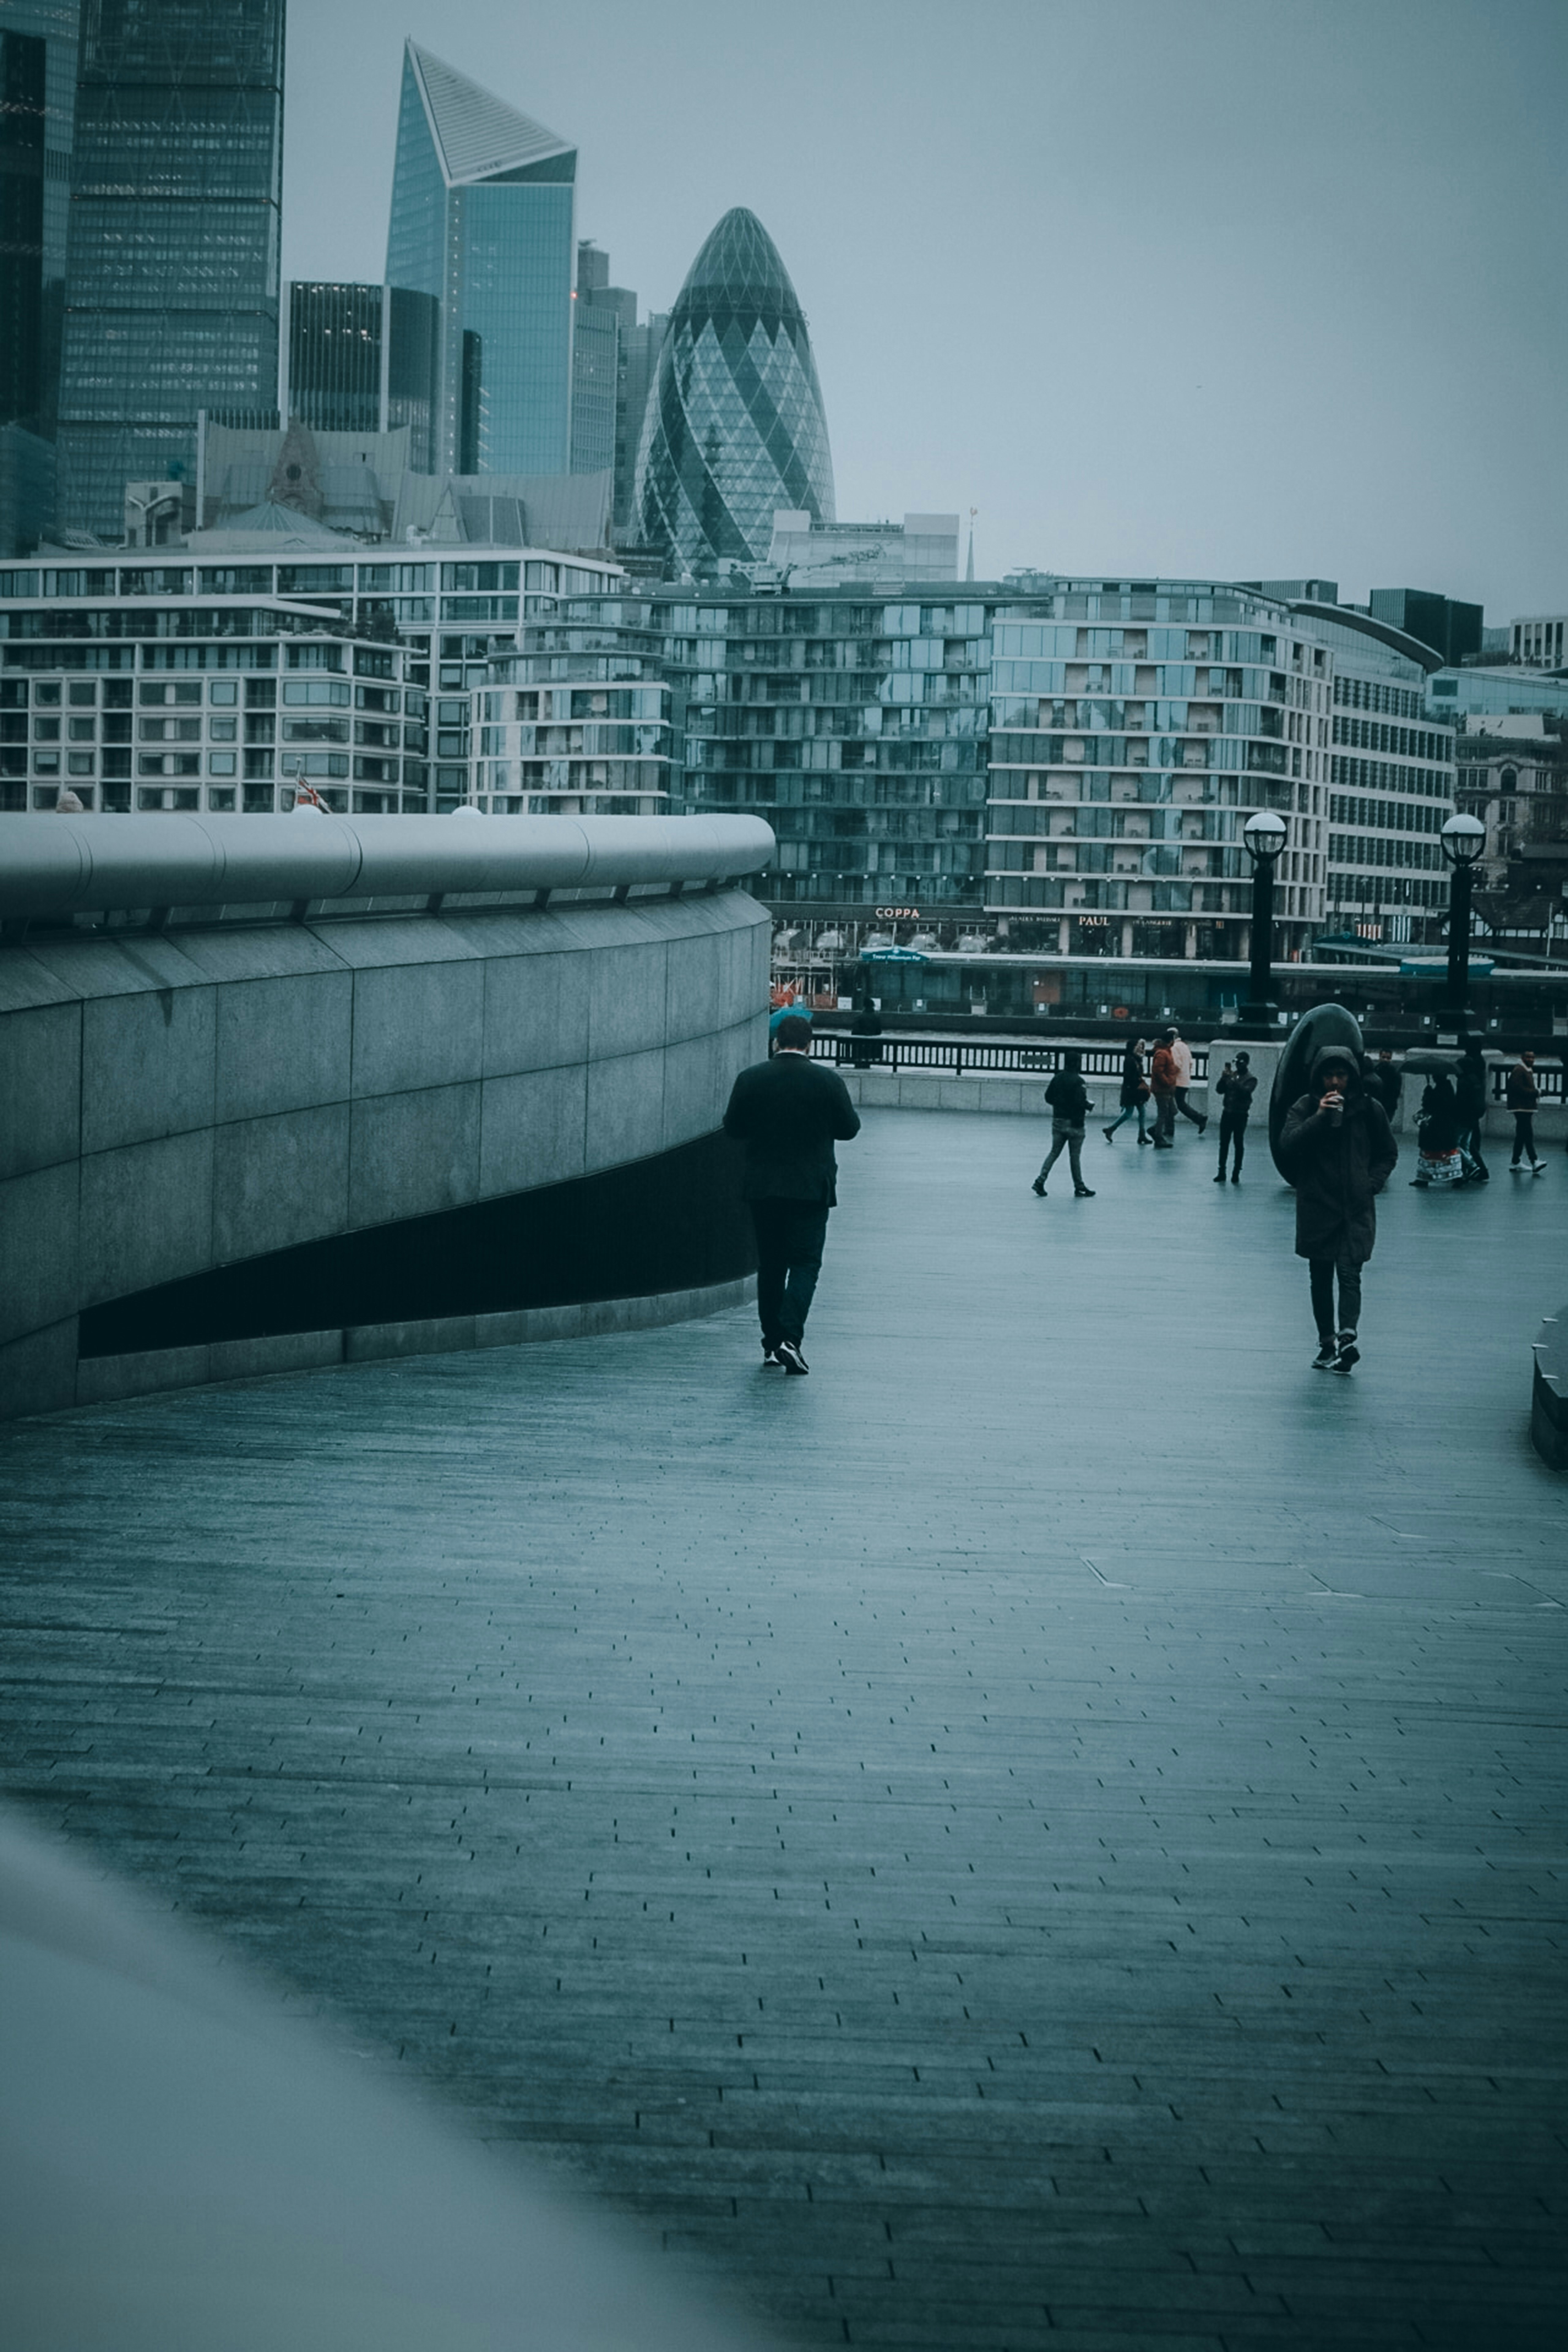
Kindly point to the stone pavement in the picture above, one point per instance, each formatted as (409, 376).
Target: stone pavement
(1048, 1832)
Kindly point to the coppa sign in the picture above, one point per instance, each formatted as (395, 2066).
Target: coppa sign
(897, 914)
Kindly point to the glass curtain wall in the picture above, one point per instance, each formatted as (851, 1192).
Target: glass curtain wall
(173, 274)
(38, 104)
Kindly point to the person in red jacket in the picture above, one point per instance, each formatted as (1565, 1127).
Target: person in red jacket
(1164, 1084)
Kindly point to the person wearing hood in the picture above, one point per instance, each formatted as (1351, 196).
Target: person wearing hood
(1470, 1090)
(1439, 1159)
(1337, 1149)
(1236, 1089)
(1133, 1095)
(1069, 1098)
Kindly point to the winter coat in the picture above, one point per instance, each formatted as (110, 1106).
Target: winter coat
(1336, 1170)
(1181, 1055)
(1069, 1098)
(1162, 1076)
(1470, 1088)
(788, 1112)
(1236, 1093)
(1439, 1127)
(1524, 1093)
(1134, 1085)
(1386, 1081)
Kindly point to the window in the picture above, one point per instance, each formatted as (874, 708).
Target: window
(317, 691)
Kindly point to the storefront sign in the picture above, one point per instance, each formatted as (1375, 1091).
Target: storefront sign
(897, 914)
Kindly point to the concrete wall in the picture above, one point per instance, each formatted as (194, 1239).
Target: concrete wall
(175, 1102)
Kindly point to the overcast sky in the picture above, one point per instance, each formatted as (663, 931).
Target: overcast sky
(1238, 288)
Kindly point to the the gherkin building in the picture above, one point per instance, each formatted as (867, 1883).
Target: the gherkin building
(734, 426)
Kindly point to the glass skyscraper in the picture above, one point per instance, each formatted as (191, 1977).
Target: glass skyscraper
(37, 98)
(172, 273)
(482, 220)
(335, 337)
(734, 427)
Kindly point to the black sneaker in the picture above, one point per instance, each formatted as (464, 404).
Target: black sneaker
(1039, 1188)
(1236, 1178)
(1145, 1138)
(789, 1356)
(1081, 1192)
(1348, 1353)
(1325, 1360)
(770, 1353)
(1220, 1178)
(1109, 1133)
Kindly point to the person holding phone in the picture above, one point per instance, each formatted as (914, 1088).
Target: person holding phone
(1337, 1149)
(1236, 1089)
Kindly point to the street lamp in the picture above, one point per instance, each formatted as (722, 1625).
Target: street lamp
(1265, 835)
(1463, 839)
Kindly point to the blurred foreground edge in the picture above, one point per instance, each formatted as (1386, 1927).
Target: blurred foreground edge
(185, 2166)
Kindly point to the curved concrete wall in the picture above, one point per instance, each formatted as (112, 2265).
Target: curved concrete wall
(183, 1101)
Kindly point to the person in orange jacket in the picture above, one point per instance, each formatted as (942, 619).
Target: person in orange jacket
(1164, 1083)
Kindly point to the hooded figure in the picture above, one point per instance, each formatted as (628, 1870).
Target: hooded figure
(1337, 1149)
(1236, 1087)
(1470, 1097)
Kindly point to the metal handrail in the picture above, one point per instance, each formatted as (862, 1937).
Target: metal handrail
(72, 865)
(961, 1057)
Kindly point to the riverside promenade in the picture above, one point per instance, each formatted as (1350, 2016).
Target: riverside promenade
(1049, 1832)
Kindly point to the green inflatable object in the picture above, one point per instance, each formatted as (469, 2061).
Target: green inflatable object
(1326, 1024)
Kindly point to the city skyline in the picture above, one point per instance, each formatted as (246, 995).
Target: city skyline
(1295, 315)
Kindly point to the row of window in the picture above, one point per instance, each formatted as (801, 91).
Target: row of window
(1367, 694)
(1375, 849)
(1406, 743)
(1380, 776)
(1393, 816)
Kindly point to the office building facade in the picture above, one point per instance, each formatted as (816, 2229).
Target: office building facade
(363, 358)
(734, 428)
(1538, 641)
(1453, 631)
(612, 353)
(37, 104)
(172, 292)
(221, 610)
(482, 225)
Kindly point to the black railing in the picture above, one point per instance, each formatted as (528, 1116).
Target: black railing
(959, 1055)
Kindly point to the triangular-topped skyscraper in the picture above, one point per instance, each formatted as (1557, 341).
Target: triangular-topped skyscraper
(482, 219)
(734, 427)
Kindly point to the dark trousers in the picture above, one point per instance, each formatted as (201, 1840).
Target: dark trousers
(1231, 1132)
(1324, 1270)
(1470, 1145)
(1165, 1119)
(790, 1238)
(1198, 1118)
(1523, 1137)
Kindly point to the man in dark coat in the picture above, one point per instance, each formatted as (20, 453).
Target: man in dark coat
(1337, 1149)
(1470, 1088)
(1069, 1098)
(788, 1112)
(1386, 1079)
(1236, 1089)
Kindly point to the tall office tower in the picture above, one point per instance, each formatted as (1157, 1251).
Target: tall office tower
(173, 274)
(596, 363)
(1451, 629)
(335, 348)
(362, 359)
(37, 98)
(734, 427)
(636, 350)
(482, 221)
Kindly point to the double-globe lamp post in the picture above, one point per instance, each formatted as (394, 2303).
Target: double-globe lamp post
(1265, 835)
(1463, 839)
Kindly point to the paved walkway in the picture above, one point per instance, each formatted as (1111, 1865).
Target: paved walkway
(1047, 1834)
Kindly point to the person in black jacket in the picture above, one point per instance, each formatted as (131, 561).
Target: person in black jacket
(1133, 1097)
(1337, 1149)
(1069, 1098)
(789, 1112)
(1386, 1079)
(1471, 1087)
(1236, 1089)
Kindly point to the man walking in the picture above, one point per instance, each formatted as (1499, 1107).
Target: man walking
(1237, 1087)
(1524, 1095)
(1337, 1149)
(788, 1112)
(1182, 1055)
(1069, 1098)
(1386, 1081)
(1470, 1087)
